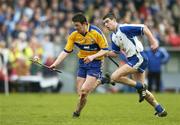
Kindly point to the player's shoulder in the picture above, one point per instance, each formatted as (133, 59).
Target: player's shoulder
(131, 25)
(95, 28)
(72, 31)
(128, 28)
(121, 26)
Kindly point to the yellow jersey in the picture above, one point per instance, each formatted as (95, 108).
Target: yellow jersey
(90, 43)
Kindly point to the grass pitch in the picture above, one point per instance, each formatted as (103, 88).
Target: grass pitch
(101, 109)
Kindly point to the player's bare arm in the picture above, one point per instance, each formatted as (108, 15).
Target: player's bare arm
(153, 42)
(60, 58)
(94, 56)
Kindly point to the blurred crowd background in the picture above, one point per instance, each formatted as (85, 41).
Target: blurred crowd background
(40, 27)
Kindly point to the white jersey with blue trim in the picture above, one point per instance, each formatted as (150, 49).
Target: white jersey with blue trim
(125, 38)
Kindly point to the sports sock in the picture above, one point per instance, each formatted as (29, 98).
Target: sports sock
(104, 80)
(138, 85)
(159, 108)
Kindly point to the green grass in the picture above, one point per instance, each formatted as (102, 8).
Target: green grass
(101, 109)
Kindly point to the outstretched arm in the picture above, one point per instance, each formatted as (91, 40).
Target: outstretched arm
(60, 58)
(153, 42)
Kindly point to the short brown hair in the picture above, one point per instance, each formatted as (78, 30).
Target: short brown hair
(110, 16)
(79, 17)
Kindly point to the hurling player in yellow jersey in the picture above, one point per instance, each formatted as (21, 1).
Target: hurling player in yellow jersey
(92, 47)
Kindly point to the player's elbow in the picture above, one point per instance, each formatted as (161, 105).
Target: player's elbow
(146, 30)
(112, 54)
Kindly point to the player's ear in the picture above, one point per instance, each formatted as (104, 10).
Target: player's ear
(84, 23)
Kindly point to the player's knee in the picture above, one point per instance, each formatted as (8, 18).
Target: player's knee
(115, 77)
(84, 92)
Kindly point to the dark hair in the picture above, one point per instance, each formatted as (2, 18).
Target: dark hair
(79, 17)
(110, 16)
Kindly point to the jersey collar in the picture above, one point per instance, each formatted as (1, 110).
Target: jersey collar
(116, 29)
(87, 29)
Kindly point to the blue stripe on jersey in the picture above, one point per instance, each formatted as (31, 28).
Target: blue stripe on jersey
(105, 49)
(93, 27)
(132, 30)
(88, 47)
(115, 48)
(132, 40)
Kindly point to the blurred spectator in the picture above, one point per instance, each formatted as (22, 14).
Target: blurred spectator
(48, 48)
(156, 60)
(19, 59)
(37, 50)
(176, 15)
(45, 17)
(172, 38)
(2, 68)
(42, 29)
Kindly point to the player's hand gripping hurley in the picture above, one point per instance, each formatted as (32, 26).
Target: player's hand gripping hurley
(35, 61)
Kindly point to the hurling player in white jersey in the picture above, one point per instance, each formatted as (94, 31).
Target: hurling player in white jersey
(124, 37)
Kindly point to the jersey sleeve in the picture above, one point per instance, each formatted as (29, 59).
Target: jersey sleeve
(132, 30)
(114, 47)
(70, 44)
(165, 55)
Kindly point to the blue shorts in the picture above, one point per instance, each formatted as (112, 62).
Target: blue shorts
(138, 61)
(92, 69)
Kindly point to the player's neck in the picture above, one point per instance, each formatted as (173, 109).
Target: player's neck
(84, 33)
(115, 27)
(85, 30)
